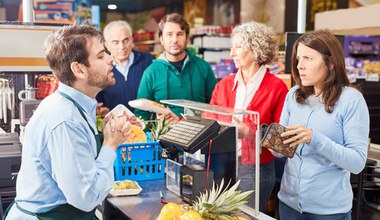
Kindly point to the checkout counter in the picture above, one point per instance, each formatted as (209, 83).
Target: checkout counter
(216, 150)
(147, 205)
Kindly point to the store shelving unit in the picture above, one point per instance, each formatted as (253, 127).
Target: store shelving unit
(371, 93)
(213, 44)
(213, 47)
(362, 55)
(363, 61)
(147, 42)
(150, 46)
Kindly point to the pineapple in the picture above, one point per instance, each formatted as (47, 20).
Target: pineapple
(160, 127)
(219, 203)
(170, 211)
(216, 204)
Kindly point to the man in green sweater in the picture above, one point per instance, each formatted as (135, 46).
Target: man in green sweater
(177, 73)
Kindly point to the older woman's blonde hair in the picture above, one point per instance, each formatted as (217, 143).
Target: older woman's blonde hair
(258, 38)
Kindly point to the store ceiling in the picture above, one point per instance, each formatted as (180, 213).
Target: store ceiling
(123, 5)
(134, 5)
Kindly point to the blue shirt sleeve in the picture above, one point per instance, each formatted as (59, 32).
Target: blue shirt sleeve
(353, 154)
(84, 182)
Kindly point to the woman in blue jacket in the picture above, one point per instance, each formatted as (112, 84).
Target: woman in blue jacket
(330, 121)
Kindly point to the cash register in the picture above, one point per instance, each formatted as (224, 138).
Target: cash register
(215, 139)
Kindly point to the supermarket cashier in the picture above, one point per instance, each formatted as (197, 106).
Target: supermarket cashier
(65, 172)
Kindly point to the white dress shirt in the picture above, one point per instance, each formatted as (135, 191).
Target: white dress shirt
(245, 93)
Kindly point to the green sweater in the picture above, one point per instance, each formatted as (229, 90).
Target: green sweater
(161, 81)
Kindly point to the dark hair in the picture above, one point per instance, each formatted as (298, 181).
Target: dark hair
(174, 18)
(336, 79)
(67, 45)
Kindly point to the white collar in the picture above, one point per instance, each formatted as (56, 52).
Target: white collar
(127, 62)
(256, 79)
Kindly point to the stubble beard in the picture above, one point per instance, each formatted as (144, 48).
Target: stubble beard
(100, 81)
(177, 53)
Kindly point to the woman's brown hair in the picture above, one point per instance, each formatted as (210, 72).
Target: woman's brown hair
(336, 79)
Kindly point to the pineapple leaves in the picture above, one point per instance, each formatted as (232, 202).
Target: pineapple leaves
(221, 201)
(160, 127)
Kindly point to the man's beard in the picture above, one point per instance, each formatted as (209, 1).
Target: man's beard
(177, 53)
(100, 81)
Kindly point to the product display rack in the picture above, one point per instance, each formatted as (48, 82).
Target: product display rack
(213, 44)
(362, 55)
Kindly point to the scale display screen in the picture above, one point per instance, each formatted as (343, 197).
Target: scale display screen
(27, 108)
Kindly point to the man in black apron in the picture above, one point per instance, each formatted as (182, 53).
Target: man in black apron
(66, 170)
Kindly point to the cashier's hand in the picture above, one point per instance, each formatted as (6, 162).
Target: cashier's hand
(170, 117)
(297, 134)
(116, 130)
(101, 110)
(135, 121)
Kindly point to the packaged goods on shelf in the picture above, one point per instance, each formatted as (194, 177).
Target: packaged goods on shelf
(214, 56)
(212, 42)
(212, 30)
(143, 36)
(46, 85)
(223, 68)
(362, 56)
(61, 12)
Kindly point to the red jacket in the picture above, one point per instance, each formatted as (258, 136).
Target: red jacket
(267, 101)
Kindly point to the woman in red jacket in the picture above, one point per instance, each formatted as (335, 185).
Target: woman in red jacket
(254, 88)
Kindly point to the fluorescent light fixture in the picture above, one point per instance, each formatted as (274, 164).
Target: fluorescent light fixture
(112, 6)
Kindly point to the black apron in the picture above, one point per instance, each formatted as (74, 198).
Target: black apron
(65, 211)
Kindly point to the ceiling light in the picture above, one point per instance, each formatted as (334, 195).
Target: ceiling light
(112, 6)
